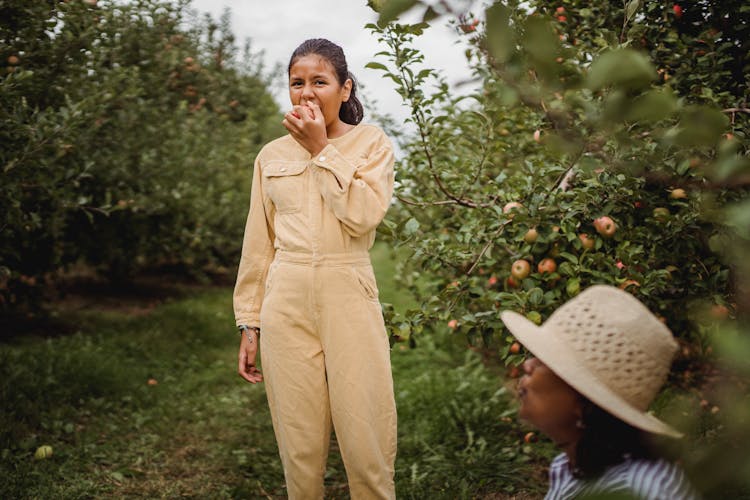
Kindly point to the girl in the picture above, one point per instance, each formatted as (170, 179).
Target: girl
(600, 360)
(306, 288)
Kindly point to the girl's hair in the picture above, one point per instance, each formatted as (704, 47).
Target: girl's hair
(351, 111)
(607, 440)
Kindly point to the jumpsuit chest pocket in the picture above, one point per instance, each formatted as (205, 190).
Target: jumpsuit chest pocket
(284, 183)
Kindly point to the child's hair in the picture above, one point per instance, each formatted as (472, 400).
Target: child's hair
(351, 111)
(607, 440)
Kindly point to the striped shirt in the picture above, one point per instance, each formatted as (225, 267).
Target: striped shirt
(645, 479)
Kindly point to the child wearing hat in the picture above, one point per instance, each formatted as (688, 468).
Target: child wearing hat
(600, 360)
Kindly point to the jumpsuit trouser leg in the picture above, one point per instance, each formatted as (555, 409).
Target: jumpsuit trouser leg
(326, 359)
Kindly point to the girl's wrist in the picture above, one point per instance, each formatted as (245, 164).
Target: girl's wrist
(246, 331)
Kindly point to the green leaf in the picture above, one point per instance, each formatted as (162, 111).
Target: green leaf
(569, 256)
(653, 106)
(536, 296)
(500, 35)
(394, 8)
(731, 166)
(738, 216)
(624, 68)
(540, 42)
(376, 65)
(411, 226)
(631, 8)
(429, 15)
(699, 126)
(573, 287)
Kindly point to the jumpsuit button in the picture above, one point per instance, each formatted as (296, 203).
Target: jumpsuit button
(322, 158)
(283, 169)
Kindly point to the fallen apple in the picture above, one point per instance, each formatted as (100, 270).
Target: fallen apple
(43, 452)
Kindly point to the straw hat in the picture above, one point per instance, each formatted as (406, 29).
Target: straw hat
(607, 346)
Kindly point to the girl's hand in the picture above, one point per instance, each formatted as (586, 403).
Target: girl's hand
(248, 352)
(307, 126)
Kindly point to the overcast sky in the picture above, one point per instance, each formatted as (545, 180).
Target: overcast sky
(278, 26)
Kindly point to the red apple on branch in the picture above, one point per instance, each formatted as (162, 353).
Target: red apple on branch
(678, 194)
(547, 265)
(605, 226)
(587, 241)
(511, 206)
(520, 269)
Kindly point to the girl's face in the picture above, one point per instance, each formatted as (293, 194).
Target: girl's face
(548, 403)
(312, 78)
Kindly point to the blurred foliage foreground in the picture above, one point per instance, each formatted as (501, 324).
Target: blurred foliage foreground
(607, 143)
(128, 130)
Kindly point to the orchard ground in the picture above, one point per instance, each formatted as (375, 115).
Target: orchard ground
(141, 399)
(136, 394)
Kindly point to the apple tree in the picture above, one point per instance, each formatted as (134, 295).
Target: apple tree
(607, 143)
(128, 129)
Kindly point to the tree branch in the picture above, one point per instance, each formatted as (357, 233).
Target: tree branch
(487, 246)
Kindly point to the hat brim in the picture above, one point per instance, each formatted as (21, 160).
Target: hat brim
(564, 362)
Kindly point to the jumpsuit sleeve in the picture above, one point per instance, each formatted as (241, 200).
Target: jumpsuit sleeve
(257, 253)
(359, 194)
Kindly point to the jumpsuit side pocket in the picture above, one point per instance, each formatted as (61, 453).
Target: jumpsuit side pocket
(365, 280)
(269, 275)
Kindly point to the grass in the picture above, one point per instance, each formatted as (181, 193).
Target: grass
(148, 405)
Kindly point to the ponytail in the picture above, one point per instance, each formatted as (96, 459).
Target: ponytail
(351, 111)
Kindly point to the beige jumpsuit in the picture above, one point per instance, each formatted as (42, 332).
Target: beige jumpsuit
(306, 280)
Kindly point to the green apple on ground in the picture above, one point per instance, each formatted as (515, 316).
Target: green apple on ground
(43, 452)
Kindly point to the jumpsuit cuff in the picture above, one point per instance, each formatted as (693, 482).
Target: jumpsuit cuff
(332, 160)
(248, 322)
